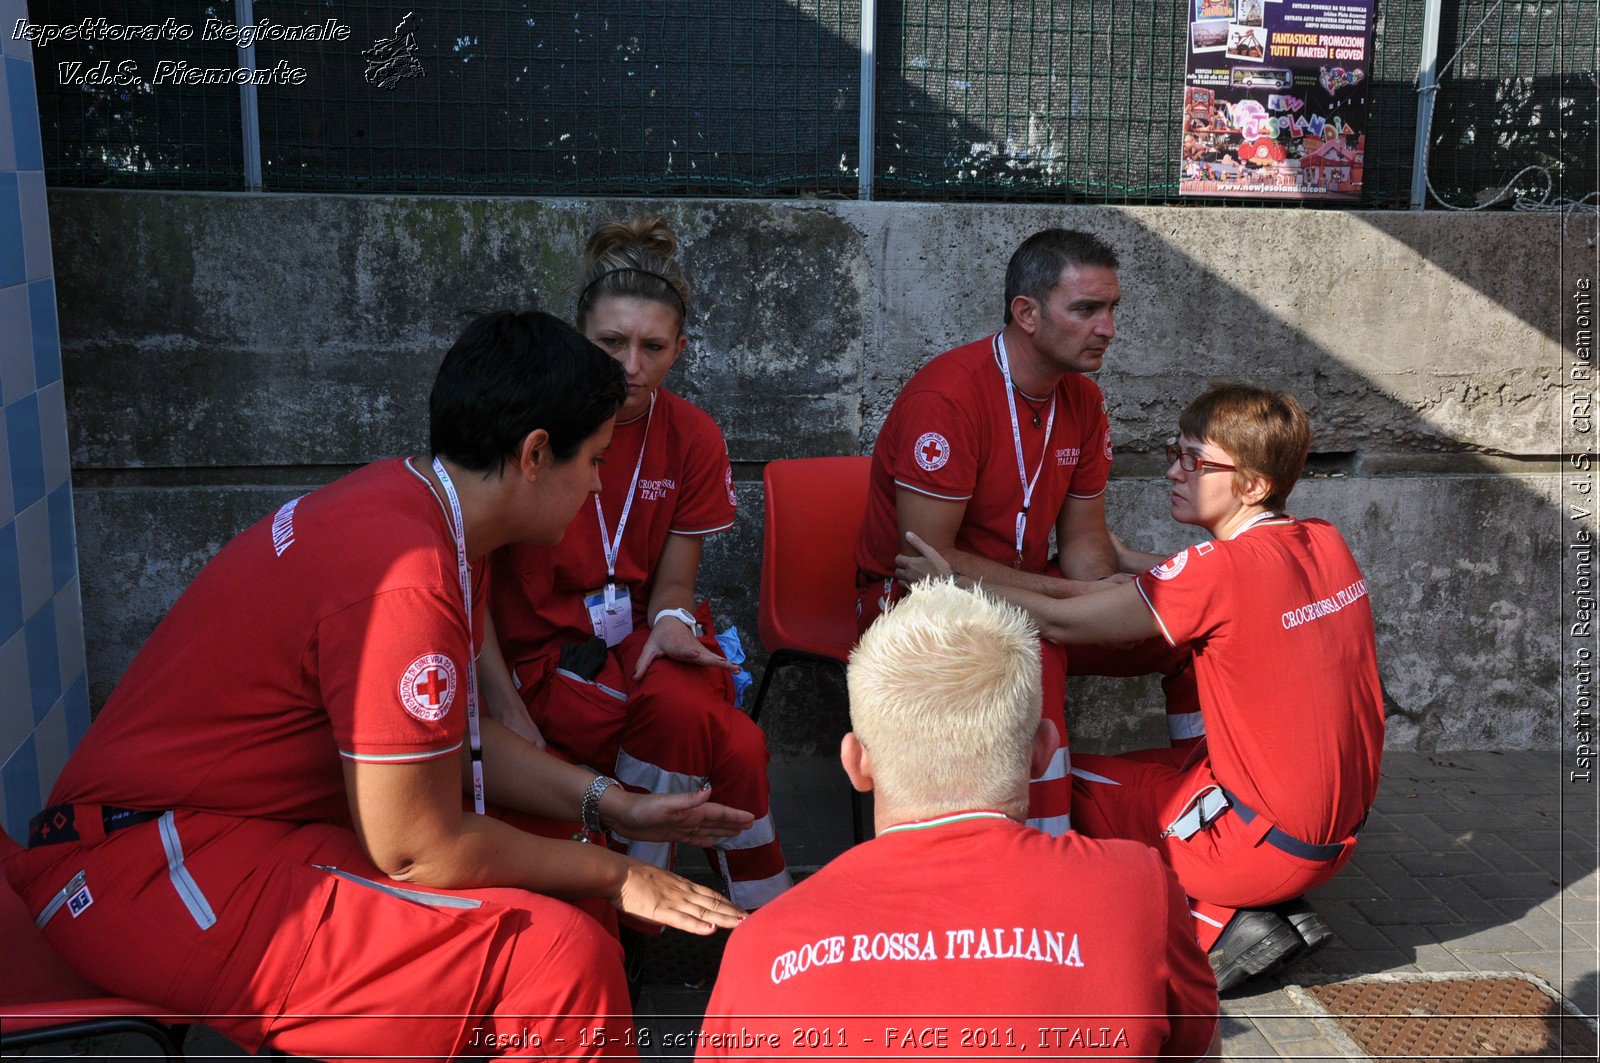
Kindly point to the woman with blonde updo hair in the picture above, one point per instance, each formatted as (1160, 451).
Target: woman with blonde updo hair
(614, 663)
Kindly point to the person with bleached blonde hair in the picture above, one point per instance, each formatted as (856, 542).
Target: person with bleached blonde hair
(958, 908)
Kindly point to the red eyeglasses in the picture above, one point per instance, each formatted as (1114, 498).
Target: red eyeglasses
(1189, 463)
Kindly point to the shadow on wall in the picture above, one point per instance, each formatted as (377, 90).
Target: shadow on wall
(1424, 346)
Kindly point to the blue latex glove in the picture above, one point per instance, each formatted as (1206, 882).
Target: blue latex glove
(733, 650)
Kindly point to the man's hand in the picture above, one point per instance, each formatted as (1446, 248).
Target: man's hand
(673, 638)
(662, 897)
(926, 563)
(692, 818)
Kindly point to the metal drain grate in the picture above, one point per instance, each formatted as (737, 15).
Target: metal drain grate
(1462, 1018)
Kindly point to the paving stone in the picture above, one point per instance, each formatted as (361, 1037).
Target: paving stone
(1312, 1048)
(1421, 913)
(1351, 884)
(1579, 843)
(1353, 927)
(1455, 862)
(1280, 1028)
(1337, 963)
(1477, 823)
(1570, 909)
(1488, 939)
(1396, 882)
(1472, 909)
(1494, 762)
(1546, 930)
(1436, 959)
(1257, 997)
(1241, 1040)
(1490, 786)
(1580, 877)
(1585, 932)
(1568, 971)
(1424, 833)
(1413, 801)
(1511, 884)
(1516, 852)
(1485, 962)
(1391, 841)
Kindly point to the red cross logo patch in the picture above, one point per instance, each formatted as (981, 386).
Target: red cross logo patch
(932, 451)
(1173, 565)
(429, 686)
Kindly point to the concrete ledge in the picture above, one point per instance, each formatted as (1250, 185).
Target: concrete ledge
(220, 349)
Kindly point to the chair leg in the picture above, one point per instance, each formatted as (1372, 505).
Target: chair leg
(778, 659)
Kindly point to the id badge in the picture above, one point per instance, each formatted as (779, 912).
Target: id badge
(610, 613)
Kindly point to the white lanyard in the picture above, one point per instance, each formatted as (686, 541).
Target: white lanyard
(613, 545)
(474, 735)
(1016, 441)
(1253, 521)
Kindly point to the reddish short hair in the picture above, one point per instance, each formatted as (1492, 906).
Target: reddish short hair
(1266, 433)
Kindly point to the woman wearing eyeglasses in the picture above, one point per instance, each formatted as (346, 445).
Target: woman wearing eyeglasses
(1275, 611)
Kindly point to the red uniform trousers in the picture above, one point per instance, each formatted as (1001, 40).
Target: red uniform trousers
(671, 732)
(1050, 794)
(1223, 867)
(284, 934)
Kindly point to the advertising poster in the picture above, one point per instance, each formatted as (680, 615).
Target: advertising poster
(1274, 101)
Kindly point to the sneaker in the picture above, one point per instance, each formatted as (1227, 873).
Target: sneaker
(1256, 942)
(1312, 928)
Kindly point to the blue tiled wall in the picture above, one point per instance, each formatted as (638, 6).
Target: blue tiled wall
(44, 695)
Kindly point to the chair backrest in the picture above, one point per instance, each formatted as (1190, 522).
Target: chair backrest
(814, 510)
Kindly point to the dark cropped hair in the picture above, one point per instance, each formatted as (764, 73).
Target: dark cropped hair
(511, 373)
(1266, 434)
(1035, 267)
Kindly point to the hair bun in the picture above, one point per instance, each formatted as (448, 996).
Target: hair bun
(632, 258)
(650, 234)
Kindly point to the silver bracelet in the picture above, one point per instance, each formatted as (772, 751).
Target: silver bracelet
(590, 810)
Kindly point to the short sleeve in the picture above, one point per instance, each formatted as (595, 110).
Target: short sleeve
(935, 446)
(1188, 593)
(392, 670)
(706, 500)
(1191, 986)
(1094, 447)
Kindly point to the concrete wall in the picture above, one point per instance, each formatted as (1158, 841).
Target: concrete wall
(224, 351)
(44, 695)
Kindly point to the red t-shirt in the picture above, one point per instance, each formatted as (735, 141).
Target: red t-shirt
(948, 436)
(1280, 625)
(331, 628)
(685, 488)
(983, 924)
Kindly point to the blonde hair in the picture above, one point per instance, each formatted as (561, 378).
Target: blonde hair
(945, 696)
(632, 259)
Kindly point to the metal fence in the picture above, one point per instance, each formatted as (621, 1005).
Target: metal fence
(1076, 100)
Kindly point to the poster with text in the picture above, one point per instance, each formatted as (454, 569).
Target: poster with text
(1275, 98)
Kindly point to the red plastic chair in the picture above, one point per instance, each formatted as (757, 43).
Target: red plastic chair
(43, 1001)
(814, 509)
